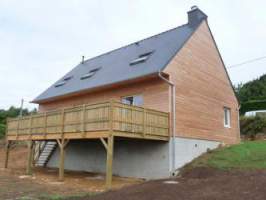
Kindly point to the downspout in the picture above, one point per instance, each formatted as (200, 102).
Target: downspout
(173, 115)
(239, 106)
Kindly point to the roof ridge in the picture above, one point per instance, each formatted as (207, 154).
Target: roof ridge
(108, 52)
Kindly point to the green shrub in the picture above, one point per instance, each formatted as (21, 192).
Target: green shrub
(250, 126)
(261, 114)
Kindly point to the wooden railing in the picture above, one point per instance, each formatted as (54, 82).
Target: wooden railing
(110, 117)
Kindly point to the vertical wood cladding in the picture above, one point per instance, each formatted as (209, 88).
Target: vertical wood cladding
(202, 90)
(155, 95)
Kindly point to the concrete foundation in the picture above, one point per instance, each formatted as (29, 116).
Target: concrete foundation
(188, 149)
(132, 158)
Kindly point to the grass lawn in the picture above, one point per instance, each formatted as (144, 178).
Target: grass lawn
(247, 155)
(61, 197)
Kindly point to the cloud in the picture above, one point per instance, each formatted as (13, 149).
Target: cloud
(42, 40)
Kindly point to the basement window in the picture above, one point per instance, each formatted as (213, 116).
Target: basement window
(227, 117)
(141, 58)
(135, 100)
(60, 84)
(90, 73)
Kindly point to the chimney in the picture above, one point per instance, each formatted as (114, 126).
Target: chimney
(195, 16)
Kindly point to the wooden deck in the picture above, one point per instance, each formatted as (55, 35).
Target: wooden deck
(91, 121)
(103, 121)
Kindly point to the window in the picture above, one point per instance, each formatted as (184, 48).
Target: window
(227, 117)
(141, 58)
(136, 100)
(145, 54)
(60, 83)
(138, 60)
(68, 78)
(64, 81)
(90, 73)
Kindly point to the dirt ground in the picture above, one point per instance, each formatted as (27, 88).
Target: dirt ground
(44, 182)
(198, 184)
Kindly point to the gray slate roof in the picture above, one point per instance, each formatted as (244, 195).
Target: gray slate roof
(115, 65)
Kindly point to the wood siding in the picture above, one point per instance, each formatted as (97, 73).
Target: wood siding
(203, 90)
(155, 95)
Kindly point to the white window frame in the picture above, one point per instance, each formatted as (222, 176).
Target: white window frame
(227, 117)
(122, 98)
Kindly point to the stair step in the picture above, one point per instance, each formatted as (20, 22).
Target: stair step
(46, 152)
(43, 157)
(52, 146)
(50, 149)
(42, 160)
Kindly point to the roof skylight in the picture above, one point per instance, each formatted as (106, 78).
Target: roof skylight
(64, 81)
(60, 84)
(138, 60)
(90, 73)
(141, 58)
(68, 78)
(145, 54)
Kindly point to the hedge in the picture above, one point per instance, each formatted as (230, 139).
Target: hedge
(250, 126)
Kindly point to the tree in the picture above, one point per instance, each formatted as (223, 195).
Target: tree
(253, 90)
(252, 95)
(11, 112)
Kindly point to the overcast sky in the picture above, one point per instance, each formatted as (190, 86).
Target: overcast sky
(42, 40)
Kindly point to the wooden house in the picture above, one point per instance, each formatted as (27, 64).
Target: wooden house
(143, 110)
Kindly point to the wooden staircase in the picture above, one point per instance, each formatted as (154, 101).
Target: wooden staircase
(43, 152)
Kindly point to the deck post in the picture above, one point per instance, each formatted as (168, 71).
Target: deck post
(62, 122)
(83, 115)
(109, 162)
(109, 149)
(7, 148)
(45, 125)
(144, 122)
(62, 145)
(30, 158)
